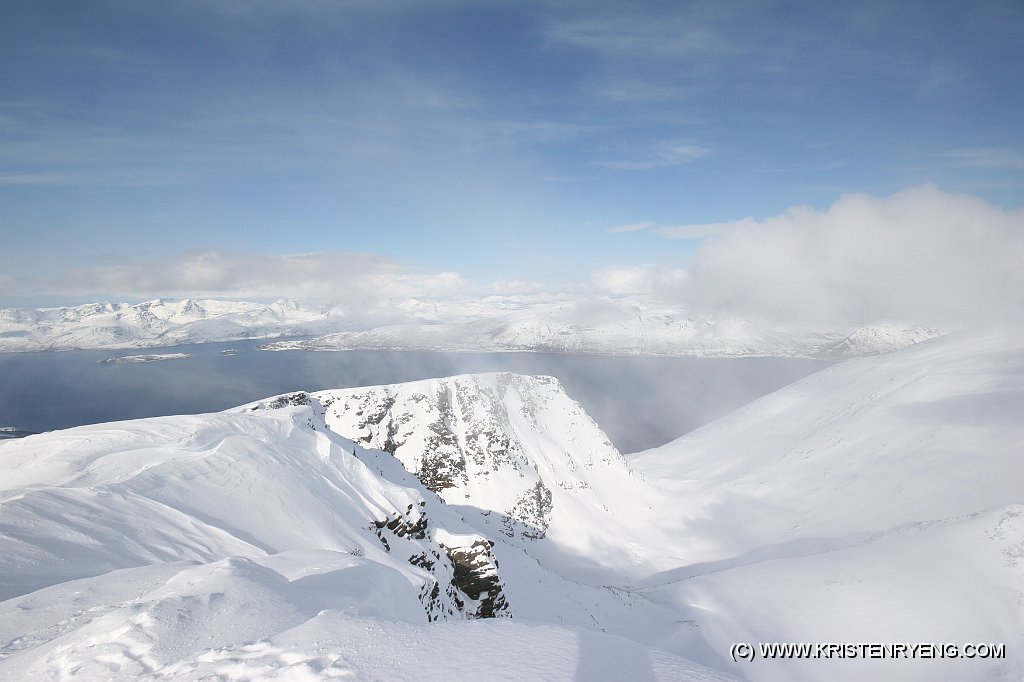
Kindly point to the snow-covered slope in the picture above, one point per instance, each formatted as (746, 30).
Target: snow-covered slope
(296, 617)
(879, 500)
(628, 326)
(517, 456)
(261, 545)
(930, 432)
(86, 501)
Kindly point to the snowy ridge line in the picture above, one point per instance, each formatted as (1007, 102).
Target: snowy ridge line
(523, 457)
(302, 523)
(106, 498)
(594, 325)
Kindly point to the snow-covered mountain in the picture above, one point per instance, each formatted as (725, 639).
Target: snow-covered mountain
(517, 456)
(154, 323)
(240, 544)
(604, 325)
(407, 532)
(624, 326)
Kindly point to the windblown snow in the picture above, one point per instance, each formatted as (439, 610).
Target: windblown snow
(483, 526)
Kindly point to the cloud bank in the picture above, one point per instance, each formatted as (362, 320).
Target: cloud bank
(356, 279)
(920, 255)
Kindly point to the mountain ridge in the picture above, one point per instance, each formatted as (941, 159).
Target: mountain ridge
(595, 325)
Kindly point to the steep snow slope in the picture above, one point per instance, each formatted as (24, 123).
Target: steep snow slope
(879, 500)
(930, 432)
(519, 458)
(259, 544)
(86, 501)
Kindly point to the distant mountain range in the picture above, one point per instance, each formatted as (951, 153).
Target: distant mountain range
(601, 325)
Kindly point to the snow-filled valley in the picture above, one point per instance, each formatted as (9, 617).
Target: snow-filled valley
(483, 526)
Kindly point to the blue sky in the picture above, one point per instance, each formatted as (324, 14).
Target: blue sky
(498, 140)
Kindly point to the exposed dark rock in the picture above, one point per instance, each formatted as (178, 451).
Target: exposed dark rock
(476, 576)
(463, 580)
(294, 399)
(532, 508)
(402, 525)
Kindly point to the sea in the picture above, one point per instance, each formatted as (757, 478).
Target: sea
(640, 402)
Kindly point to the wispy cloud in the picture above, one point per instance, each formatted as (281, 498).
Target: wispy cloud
(35, 179)
(987, 157)
(681, 231)
(700, 231)
(639, 31)
(672, 154)
(566, 178)
(632, 227)
(632, 89)
(353, 278)
(942, 78)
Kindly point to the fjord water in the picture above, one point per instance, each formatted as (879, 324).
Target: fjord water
(640, 402)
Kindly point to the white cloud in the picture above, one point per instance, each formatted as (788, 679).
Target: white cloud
(920, 255)
(352, 278)
(630, 280)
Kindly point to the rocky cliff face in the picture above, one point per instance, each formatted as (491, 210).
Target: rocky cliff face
(459, 571)
(502, 442)
(463, 573)
(516, 458)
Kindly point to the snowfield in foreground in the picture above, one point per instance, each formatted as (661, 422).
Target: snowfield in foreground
(482, 526)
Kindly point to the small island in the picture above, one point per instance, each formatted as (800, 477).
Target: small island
(151, 357)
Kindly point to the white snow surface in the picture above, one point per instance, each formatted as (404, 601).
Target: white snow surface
(518, 457)
(596, 324)
(256, 545)
(878, 501)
